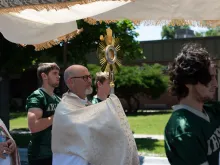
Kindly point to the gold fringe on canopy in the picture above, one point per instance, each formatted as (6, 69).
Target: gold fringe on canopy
(57, 41)
(7, 6)
(174, 22)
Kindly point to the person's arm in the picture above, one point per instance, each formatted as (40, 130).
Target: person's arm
(35, 104)
(35, 121)
(186, 149)
(11, 145)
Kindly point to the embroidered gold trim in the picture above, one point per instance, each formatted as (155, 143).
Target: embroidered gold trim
(177, 22)
(57, 41)
(6, 7)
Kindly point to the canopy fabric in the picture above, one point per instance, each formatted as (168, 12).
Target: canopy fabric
(7, 6)
(38, 34)
(163, 11)
(44, 23)
(46, 28)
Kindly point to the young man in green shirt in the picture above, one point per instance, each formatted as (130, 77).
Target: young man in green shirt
(41, 105)
(102, 84)
(192, 134)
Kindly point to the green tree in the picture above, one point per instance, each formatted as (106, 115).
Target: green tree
(199, 34)
(168, 32)
(210, 32)
(89, 39)
(135, 81)
(15, 58)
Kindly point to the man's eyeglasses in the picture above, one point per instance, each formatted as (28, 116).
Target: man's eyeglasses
(85, 78)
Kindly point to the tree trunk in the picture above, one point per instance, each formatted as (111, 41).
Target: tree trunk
(62, 82)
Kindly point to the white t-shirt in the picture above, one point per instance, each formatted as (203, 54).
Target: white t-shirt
(6, 161)
(65, 159)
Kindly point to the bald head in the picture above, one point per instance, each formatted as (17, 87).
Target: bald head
(73, 71)
(78, 80)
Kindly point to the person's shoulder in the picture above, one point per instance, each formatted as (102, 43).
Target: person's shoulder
(35, 100)
(179, 117)
(57, 97)
(180, 114)
(182, 121)
(37, 94)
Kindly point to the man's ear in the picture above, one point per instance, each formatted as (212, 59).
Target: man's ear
(189, 86)
(99, 84)
(70, 82)
(44, 76)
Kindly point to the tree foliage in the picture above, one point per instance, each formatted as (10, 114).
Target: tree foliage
(89, 39)
(135, 81)
(168, 32)
(15, 58)
(210, 32)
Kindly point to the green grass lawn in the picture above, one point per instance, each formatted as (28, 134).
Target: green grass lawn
(140, 124)
(18, 120)
(150, 147)
(149, 124)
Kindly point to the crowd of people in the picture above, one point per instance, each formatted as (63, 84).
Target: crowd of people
(74, 130)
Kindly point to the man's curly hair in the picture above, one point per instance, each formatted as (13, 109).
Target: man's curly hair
(191, 66)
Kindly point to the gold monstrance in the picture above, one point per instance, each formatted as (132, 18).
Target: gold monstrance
(109, 56)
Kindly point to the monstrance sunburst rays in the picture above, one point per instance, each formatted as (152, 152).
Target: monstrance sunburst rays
(108, 52)
(109, 56)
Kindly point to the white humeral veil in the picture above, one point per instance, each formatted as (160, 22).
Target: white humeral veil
(98, 133)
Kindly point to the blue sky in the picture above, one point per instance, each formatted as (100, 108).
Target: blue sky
(147, 33)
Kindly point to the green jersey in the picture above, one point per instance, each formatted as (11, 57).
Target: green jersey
(192, 137)
(96, 100)
(40, 144)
